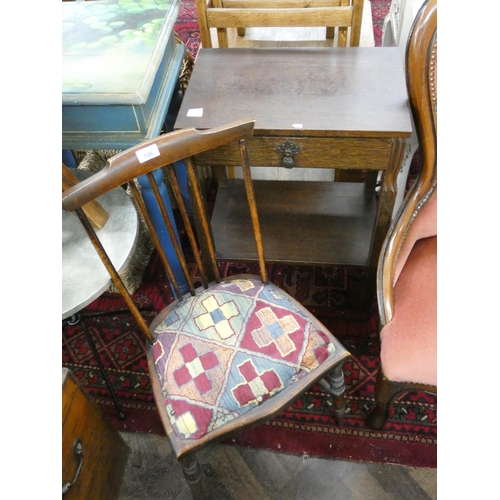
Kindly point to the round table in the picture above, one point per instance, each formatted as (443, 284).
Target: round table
(84, 276)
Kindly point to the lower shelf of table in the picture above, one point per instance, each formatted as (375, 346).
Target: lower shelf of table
(320, 223)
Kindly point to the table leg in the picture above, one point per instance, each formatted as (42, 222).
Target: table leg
(76, 319)
(387, 199)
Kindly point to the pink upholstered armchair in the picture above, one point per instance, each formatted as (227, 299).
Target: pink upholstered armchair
(407, 272)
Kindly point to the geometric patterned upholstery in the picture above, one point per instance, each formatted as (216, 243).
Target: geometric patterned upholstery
(226, 350)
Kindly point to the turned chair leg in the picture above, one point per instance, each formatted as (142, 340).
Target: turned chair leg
(337, 388)
(193, 476)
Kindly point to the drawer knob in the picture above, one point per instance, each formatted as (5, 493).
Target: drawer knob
(78, 452)
(288, 150)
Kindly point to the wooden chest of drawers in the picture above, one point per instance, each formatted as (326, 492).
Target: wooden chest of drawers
(90, 445)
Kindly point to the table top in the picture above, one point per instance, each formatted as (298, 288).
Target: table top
(348, 91)
(84, 276)
(111, 49)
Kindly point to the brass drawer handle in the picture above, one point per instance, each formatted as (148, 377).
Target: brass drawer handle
(288, 150)
(78, 452)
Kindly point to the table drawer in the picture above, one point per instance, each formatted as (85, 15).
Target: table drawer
(308, 152)
(103, 450)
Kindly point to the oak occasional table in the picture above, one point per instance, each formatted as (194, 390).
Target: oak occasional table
(340, 108)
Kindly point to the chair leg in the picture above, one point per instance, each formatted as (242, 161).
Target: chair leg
(385, 391)
(193, 476)
(337, 388)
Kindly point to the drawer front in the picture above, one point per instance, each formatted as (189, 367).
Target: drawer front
(104, 451)
(308, 152)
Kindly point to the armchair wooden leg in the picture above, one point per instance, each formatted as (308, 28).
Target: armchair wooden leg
(193, 476)
(385, 391)
(337, 388)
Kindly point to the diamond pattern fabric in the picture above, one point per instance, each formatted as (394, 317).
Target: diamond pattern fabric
(226, 350)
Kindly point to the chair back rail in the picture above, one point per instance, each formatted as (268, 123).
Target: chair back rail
(171, 147)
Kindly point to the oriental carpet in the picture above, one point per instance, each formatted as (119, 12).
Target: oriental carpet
(409, 437)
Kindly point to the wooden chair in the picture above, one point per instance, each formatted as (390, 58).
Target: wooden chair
(232, 352)
(407, 272)
(343, 15)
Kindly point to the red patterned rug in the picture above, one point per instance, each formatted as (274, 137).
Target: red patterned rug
(409, 438)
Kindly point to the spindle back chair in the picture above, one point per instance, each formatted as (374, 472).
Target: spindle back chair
(232, 352)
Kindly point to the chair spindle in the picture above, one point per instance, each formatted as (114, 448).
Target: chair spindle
(253, 208)
(156, 241)
(187, 224)
(172, 234)
(204, 223)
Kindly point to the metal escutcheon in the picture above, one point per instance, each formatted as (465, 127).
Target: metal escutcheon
(288, 150)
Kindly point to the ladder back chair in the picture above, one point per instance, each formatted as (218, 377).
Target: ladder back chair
(407, 269)
(232, 352)
(343, 15)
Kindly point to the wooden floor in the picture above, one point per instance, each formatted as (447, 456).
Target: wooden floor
(236, 473)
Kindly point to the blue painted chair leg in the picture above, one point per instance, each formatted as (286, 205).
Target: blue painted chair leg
(68, 159)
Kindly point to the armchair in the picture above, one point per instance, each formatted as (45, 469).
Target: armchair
(407, 270)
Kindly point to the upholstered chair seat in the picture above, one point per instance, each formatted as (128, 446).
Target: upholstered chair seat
(224, 351)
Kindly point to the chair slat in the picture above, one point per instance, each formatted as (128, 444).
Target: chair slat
(319, 16)
(279, 4)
